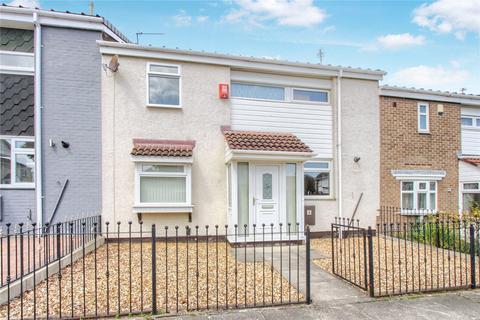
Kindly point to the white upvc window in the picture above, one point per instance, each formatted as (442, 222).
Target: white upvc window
(317, 179)
(265, 92)
(164, 85)
(419, 196)
(17, 162)
(471, 122)
(470, 195)
(423, 118)
(163, 184)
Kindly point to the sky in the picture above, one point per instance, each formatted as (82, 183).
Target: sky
(422, 44)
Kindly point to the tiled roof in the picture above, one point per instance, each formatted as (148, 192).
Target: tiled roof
(163, 148)
(264, 141)
(475, 161)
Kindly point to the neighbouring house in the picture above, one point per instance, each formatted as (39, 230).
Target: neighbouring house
(50, 114)
(195, 138)
(430, 150)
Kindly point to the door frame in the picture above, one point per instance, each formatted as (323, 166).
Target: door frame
(280, 195)
(232, 213)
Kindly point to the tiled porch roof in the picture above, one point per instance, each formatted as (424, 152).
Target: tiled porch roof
(163, 148)
(472, 160)
(264, 141)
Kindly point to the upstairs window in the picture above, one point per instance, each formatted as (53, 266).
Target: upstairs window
(163, 85)
(278, 93)
(423, 118)
(471, 121)
(260, 92)
(310, 95)
(17, 162)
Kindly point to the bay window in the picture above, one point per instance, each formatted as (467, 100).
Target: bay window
(419, 195)
(163, 185)
(17, 162)
(317, 178)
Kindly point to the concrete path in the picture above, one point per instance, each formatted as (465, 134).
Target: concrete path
(325, 288)
(442, 306)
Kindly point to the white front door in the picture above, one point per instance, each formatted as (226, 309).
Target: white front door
(266, 194)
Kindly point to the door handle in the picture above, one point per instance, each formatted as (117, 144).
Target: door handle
(254, 201)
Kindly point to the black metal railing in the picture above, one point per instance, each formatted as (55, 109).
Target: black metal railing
(349, 252)
(25, 249)
(143, 269)
(402, 258)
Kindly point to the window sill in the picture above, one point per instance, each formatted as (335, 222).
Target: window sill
(166, 106)
(424, 132)
(22, 187)
(318, 197)
(153, 208)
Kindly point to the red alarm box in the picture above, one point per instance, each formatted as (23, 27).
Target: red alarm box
(223, 91)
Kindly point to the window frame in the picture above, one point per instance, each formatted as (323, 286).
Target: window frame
(166, 75)
(416, 190)
(310, 102)
(14, 151)
(328, 170)
(187, 173)
(427, 114)
(475, 122)
(468, 191)
(288, 93)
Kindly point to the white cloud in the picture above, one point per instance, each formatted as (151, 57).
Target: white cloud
(393, 42)
(182, 19)
(398, 41)
(297, 13)
(25, 3)
(439, 77)
(202, 18)
(450, 16)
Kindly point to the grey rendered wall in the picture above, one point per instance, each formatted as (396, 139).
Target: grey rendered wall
(18, 205)
(71, 74)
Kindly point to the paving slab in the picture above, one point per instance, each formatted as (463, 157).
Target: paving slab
(440, 306)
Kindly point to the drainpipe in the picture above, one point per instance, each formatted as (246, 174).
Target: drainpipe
(339, 144)
(38, 120)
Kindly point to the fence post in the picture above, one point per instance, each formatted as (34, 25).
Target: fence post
(154, 270)
(307, 264)
(473, 275)
(371, 286)
(333, 251)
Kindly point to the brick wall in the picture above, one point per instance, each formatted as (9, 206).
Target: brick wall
(402, 147)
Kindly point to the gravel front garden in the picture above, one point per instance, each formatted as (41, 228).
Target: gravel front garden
(400, 266)
(127, 287)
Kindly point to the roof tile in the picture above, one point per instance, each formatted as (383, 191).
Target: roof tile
(163, 148)
(264, 141)
(475, 161)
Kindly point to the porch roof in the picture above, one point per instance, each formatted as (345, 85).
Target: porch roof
(472, 160)
(163, 148)
(265, 141)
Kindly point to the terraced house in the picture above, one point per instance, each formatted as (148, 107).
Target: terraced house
(50, 120)
(430, 150)
(198, 138)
